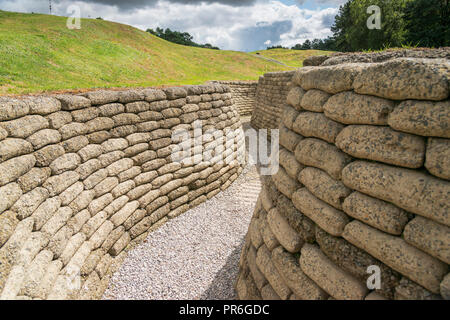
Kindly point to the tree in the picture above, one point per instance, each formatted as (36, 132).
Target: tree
(341, 26)
(329, 44)
(350, 31)
(276, 47)
(209, 46)
(316, 44)
(306, 45)
(411, 22)
(183, 38)
(427, 23)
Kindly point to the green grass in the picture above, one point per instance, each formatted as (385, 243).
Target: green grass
(38, 53)
(293, 58)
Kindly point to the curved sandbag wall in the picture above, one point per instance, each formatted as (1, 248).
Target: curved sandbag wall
(243, 95)
(82, 177)
(271, 93)
(362, 193)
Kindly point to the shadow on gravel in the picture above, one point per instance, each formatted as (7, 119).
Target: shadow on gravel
(222, 287)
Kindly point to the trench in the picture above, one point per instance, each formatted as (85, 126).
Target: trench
(196, 255)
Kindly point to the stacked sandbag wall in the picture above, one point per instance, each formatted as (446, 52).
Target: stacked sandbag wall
(243, 95)
(382, 56)
(362, 192)
(271, 96)
(83, 177)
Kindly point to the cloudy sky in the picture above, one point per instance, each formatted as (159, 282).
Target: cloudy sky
(244, 25)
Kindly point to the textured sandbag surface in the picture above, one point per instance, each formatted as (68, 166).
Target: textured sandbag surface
(271, 95)
(84, 177)
(364, 151)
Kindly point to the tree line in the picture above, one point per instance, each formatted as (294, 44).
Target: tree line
(183, 38)
(411, 23)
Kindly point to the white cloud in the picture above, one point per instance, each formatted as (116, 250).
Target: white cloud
(324, 2)
(229, 27)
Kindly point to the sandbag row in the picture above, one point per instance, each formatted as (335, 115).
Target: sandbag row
(243, 95)
(363, 187)
(271, 95)
(82, 177)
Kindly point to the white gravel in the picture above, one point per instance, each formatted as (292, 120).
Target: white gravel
(194, 256)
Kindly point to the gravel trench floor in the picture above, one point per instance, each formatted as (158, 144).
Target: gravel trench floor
(194, 256)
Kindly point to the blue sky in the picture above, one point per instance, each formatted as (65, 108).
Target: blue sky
(245, 25)
(311, 5)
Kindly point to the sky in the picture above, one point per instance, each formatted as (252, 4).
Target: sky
(244, 25)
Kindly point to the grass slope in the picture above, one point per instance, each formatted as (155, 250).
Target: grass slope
(293, 58)
(39, 53)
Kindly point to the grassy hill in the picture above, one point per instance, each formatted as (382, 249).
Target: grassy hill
(39, 53)
(293, 58)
